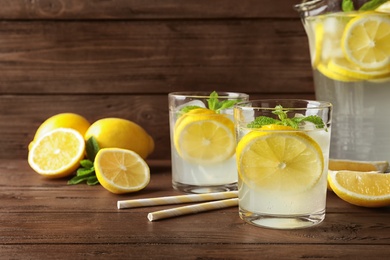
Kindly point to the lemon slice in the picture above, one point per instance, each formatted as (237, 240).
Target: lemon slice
(121, 170)
(324, 70)
(366, 41)
(345, 68)
(368, 189)
(57, 153)
(204, 138)
(318, 41)
(384, 8)
(280, 161)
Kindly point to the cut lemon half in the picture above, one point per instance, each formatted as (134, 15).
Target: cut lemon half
(366, 41)
(345, 68)
(282, 161)
(121, 170)
(204, 138)
(367, 189)
(57, 153)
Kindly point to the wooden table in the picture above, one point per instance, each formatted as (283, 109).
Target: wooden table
(46, 219)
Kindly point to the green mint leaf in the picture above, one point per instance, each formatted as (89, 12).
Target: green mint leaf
(213, 101)
(85, 171)
(262, 121)
(372, 5)
(92, 180)
(347, 6)
(188, 109)
(86, 163)
(284, 120)
(79, 179)
(226, 104)
(92, 148)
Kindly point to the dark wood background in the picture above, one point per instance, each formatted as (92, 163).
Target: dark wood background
(120, 58)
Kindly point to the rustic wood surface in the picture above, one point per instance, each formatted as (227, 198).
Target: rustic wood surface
(121, 58)
(46, 219)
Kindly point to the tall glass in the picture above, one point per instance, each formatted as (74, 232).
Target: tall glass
(202, 141)
(350, 56)
(282, 160)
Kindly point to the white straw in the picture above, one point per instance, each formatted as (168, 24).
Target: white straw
(122, 204)
(207, 206)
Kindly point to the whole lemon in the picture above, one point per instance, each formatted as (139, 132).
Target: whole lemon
(121, 133)
(62, 120)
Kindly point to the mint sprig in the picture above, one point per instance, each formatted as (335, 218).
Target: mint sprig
(283, 119)
(348, 5)
(213, 103)
(86, 172)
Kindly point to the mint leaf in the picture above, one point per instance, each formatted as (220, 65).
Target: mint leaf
(92, 180)
(86, 163)
(213, 101)
(188, 109)
(216, 105)
(262, 121)
(347, 6)
(284, 120)
(92, 148)
(372, 5)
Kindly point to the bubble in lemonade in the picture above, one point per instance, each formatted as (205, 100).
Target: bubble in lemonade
(203, 142)
(282, 170)
(350, 55)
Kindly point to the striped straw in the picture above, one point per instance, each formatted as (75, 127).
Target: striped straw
(123, 204)
(192, 209)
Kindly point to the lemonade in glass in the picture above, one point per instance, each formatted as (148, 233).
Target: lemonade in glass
(282, 161)
(203, 141)
(350, 55)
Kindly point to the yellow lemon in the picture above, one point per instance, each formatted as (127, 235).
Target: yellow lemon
(121, 170)
(121, 133)
(324, 70)
(367, 189)
(57, 153)
(204, 137)
(63, 120)
(345, 68)
(287, 161)
(366, 41)
(362, 166)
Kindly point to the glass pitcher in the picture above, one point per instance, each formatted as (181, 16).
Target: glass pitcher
(350, 55)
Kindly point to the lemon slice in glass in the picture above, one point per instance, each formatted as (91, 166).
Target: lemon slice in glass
(366, 41)
(345, 68)
(283, 161)
(204, 137)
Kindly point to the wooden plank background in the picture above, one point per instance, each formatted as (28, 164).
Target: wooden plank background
(121, 58)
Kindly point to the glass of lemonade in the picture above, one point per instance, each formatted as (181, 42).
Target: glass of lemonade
(282, 160)
(350, 55)
(202, 141)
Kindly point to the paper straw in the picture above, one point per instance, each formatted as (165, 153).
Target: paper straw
(122, 204)
(192, 209)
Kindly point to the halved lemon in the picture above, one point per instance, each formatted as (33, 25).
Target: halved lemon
(121, 170)
(57, 153)
(367, 189)
(204, 137)
(285, 161)
(366, 41)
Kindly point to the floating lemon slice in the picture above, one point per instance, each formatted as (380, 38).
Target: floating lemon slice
(318, 40)
(121, 170)
(324, 69)
(57, 153)
(345, 68)
(366, 41)
(204, 138)
(283, 161)
(368, 189)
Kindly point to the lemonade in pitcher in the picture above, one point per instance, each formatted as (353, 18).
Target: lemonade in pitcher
(350, 55)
